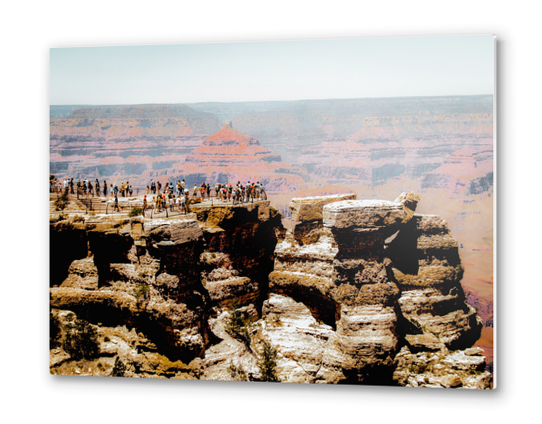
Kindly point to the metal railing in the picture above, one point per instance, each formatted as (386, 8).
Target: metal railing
(106, 204)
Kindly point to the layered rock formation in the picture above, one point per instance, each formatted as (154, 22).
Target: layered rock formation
(289, 127)
(358, 291)
(441, 147)
(445, 142)
(429, 276)
(231, 156)
(449, 152)
(134, 272)
(380, 308)
(161, 277)
(129, 142)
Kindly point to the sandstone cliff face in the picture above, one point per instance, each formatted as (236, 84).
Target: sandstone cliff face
(137, 272)
(383, 313)
(358, 292)
(162, 277)
(429, 277)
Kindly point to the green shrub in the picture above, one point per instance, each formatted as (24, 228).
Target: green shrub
(237, 325)
(119, 368)
(142, 293)
(275, 320)
(80, 339)
(268, 363)
(62, 201)
(237, 373)
(136, 211)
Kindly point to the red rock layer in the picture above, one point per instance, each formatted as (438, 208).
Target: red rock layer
(125, 142)
(409, 146)
(230, 156)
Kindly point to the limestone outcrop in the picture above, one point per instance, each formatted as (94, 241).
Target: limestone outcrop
(162, 277)
(356, 292)
(432, 299)
(386, 282)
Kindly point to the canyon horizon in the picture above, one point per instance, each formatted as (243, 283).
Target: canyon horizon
(439, 147)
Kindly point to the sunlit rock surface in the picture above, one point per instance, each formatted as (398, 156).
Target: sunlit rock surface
(368, 293)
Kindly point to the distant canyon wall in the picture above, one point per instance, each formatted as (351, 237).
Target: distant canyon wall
(133, 143)
(445, 142)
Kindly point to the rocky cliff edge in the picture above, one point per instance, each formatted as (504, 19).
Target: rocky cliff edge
(359, 291)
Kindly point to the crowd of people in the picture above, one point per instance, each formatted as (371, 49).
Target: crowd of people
(177, 197)
(170, 196)
(86, 187)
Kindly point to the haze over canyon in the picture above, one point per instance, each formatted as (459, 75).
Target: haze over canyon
(440, 147)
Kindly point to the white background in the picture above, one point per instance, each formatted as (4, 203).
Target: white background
(29, 29)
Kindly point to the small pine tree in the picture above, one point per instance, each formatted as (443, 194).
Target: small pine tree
(237, 326)
(268, 363)
(142, 293)
(119, 368)
(237, 372)
(80, 340)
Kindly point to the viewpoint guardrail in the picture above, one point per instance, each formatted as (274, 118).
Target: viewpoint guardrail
(106, 205)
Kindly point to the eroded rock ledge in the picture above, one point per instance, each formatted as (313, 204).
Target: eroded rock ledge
(385, 283)
(359, 291)
(163, 277)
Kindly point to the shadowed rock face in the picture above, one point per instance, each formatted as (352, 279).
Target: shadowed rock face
(432, 297)
(151, 274)
(350, 280)
(125, 255)
(338, 298)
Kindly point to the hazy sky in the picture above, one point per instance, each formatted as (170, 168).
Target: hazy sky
(279, 70)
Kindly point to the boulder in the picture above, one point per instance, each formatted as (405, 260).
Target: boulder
(311, 208)
(351, 214)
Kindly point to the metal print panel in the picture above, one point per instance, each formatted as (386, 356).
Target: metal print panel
(315, 211)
